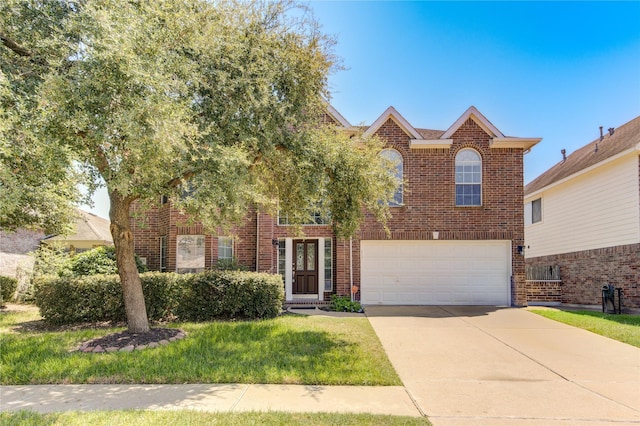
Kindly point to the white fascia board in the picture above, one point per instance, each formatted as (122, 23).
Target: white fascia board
(480, 119)
(524, 143)
(336, 115)
(583, 171)
(430, 143)
(399, 120)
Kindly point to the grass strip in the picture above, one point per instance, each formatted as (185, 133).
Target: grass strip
(186, 417)
(623, 328)
(290, 349)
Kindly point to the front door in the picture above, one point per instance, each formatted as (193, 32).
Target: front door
(305, 267)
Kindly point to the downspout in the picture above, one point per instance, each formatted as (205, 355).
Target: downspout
(257, 239)
(351, 268)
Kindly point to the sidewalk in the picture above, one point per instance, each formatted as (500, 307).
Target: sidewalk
(392, 400)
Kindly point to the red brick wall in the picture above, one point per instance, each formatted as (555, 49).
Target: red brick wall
(429, 204)
(164, 220)
(429, 199)
(584, 273)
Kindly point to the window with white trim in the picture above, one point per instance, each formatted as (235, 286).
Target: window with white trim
(225, 248)
(395, 158)
(163, 253)
(189, 253)
(282, 258)
(468, 178)
(328, 265)
(533, 212)
(316, 218)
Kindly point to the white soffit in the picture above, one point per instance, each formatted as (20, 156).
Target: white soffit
(398, 119)
(430, 143)
(524, 143)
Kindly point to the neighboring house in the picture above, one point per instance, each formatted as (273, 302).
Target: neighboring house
(89, 231)
(583, 215)
(14, 251)
(457, 229)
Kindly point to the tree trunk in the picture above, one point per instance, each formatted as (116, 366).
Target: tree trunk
(134, 305)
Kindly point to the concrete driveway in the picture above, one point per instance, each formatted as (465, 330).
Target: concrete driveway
(502, 366)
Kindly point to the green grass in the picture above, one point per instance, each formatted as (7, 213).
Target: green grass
(185, 417)
(624, 328)
(290, 350)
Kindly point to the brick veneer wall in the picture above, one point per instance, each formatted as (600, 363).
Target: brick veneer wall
(429, 198)
(429, 204)
(544, 292)
(583, 273)
(164, 220)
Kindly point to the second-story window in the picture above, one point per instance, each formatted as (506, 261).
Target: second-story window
(468, 178)
(395, 158)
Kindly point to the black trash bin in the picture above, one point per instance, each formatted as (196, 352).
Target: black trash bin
(609, 294)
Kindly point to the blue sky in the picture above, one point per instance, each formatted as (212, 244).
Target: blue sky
(556, 70)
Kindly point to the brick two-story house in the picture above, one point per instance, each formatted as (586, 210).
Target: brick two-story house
(457, 229)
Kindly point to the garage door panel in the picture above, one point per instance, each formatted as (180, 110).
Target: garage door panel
(435, 272)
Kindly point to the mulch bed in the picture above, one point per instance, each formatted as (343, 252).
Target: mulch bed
(127, 342)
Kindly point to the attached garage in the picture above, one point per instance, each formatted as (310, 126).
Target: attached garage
(435, 272)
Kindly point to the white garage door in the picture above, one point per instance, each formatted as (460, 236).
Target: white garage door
(435, 272)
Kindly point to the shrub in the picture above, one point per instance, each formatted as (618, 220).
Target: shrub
(67, 300)
(51, 259)
(100, 260)
(344, 304)
(162, 294)
(96, 298)
(8, 287)
(168, 296)
(231, 294)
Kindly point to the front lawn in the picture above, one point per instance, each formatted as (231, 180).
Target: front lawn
(289, 349)
(186, 417)
(624, 328)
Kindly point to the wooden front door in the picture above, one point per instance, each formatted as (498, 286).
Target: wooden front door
(305, 267)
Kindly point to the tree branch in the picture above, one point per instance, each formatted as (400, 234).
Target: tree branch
(177, 181)
(11, 44)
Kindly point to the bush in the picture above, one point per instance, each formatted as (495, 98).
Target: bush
(68, 300)
(344, 304)
(100, 260)
(8, 287)
(168, 296)
(162, 294)
(231, 294)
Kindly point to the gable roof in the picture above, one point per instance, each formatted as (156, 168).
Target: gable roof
(431, 139)
(391, 113)
(624, 138)
(88, 227)
(480, 120)
(337, 117)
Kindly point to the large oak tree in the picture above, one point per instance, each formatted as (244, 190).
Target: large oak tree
(218, 105)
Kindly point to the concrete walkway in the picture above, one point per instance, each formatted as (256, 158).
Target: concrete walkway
(231, 397)
(492, 366)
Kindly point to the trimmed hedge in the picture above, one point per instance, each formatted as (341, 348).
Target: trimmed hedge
(8, 287)
(231, 294)
(168, 296)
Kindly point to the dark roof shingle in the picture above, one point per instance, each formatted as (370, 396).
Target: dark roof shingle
(624, 137)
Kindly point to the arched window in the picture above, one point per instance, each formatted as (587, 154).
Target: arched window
(468, 178)
(395, 158)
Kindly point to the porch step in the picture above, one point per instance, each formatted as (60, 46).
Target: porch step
(306, 303)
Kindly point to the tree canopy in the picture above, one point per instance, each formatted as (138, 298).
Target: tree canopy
(218, 105)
